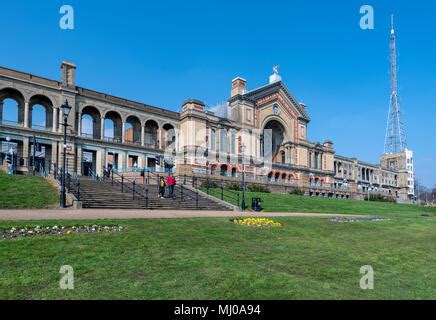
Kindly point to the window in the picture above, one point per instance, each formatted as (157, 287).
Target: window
(223, 140)
(302, 132)
(212, 140)
(233, 142)
(283, 156)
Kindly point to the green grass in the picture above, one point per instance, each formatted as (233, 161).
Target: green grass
(273, 202)
(211, 258)
(18, 192)
(308, 258)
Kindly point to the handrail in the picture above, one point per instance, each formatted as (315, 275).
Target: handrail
(129, 184)
(42, 170)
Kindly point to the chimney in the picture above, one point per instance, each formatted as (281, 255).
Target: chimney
(193, 104)
(68, 71)
(239, 86)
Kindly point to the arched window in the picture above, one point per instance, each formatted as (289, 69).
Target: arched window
(169, 136)
(113, 127)
(90, 125)
(223, 171)
(39, 120)
(151, 138)
(40, 113)
(283, 157)
(10, 112)
(133, 130)
(87, 126)
(11, 107)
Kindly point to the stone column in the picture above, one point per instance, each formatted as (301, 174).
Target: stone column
(142, 135)
(320, 156)
(55, 119)
(79, 160)
(79, 124)
(25, 153)
(61, 121)
(123, 132)
(294, 157)
(143, 161)
(26, 114)
(159, 137)
(102, 128)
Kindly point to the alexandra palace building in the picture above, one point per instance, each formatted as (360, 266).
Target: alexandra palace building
(261, 132)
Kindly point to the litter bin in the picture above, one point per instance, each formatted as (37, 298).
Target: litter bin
(256, 204)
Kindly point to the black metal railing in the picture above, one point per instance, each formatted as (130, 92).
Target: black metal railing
(130, 186)
(224, 194)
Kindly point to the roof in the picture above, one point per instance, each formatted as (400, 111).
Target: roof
(274, 87)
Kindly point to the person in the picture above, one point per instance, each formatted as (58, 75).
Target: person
(171, 182)
(162, 185)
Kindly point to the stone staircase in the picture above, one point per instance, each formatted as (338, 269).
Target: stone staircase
(97, 194)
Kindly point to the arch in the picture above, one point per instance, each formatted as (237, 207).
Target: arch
(151, 134)
(223, 170)
(233, 172)
(169, 137)
(270, 175)
(113, 126)
(274, 133)
(133, 130)
(11, 107)
(90, 122)
(284, 175)
(213, 169)
(40, 113)
(277, 176)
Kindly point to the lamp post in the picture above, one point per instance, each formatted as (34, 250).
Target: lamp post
(66, 110)
(33, 155)
(8, 139)
(243, 177)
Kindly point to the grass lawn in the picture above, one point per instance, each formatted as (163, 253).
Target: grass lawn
(274, 202)
(18, 192)
(211, 258)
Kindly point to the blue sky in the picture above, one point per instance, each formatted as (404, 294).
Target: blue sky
(163, 52)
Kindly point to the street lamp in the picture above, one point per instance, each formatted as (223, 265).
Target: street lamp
(66, 110)
(8, 150)
(243, 177)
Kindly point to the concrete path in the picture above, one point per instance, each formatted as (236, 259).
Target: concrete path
(93, 214)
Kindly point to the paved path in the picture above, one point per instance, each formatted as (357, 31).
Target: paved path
(93, 214)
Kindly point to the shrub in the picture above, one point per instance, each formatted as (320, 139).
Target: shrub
(234, 187)
(258, 188)
(380, 198)
(208, 184)
(297, 192)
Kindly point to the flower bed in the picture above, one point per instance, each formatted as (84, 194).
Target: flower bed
(342, 220)
(257, 222)
(16, 232)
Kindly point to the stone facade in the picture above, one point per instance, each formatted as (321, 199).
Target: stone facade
(263, 133)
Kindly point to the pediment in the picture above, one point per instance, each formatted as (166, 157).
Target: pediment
(277, 92)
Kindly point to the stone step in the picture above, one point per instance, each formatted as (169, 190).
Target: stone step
(104, 195)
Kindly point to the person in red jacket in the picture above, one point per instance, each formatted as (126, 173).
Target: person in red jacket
(171, 182)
